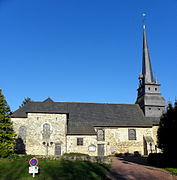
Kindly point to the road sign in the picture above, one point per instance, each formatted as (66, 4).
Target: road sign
(33, 170)
(33, 162)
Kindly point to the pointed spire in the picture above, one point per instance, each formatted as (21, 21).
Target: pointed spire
(146, 68)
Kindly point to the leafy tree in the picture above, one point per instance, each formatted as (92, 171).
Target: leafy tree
(7, 135)
(167, 133)
(26, 100)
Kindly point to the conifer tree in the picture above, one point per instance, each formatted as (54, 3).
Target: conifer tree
(7, 135)
(26, 100)
(167, 133)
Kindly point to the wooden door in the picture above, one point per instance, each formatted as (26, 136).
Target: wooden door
(58, 149)
(100, 149)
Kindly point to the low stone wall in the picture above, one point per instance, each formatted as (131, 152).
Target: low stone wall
(98, 159)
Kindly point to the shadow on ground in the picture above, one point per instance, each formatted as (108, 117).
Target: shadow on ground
(137, 160)
(76, 170)
(115, 175)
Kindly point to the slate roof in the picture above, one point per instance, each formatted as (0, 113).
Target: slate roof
(83, 117)
(154, 120)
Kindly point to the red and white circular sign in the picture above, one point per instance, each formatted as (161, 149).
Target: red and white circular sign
(33, 162)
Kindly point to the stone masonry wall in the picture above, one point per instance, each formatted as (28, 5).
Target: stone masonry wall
(155, 129)
(116, 139)
(118, 142)
(87, 141)
(34, 139)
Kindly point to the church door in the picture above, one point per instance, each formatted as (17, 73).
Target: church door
(100, 149)
(57, 149)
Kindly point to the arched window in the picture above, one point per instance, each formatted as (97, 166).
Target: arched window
(22, 133)
(132, 134)
(46, 131)
(100, 135)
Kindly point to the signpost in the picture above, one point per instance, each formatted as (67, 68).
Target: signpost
(33, 166)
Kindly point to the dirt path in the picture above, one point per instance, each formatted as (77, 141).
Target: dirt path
(124, 170)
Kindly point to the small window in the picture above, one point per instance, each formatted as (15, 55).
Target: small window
(149, 88)
(100, 135)
(46, 131)
(80, 141)
(155, 89)
(149, 108)
(132, 134)
(159, 109)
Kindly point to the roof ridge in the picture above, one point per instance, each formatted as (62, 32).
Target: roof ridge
(90, 103)
(96, 103)
(84, 103)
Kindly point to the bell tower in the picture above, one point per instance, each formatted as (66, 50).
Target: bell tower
(149, 96)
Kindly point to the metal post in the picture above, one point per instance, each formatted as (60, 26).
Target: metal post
(150, 147)
(47, 145)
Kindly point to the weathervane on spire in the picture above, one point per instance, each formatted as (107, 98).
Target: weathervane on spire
(143, 19)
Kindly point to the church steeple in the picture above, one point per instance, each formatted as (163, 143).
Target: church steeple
(146, 65)
(149, 97)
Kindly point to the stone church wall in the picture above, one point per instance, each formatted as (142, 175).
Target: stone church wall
(34, 138)
(118, 141)
(155, 129)
(87, 141)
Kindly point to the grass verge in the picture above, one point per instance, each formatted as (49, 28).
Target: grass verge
(11, 169)
(172, 170)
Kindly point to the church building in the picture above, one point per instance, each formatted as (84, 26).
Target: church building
(97, 129)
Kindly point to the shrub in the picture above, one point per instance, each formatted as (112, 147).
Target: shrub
(75, 154)
(137, 154)
(18, 157)
(118, 154)
(157, 159)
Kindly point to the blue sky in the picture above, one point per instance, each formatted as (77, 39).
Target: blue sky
(84, 50)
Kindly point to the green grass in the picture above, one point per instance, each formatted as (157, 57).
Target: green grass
(52, 169)
(172, 170)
